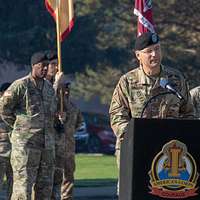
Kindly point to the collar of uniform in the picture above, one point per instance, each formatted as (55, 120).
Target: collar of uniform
(163, 73)
(35, 83)
(31, 77)
(143, 78)
(147, 80)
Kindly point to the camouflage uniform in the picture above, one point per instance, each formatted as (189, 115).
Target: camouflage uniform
(135, 88)
(195, 96)
(59, 164)
(5, 166)
(73, 121)
(29, 109)
(59, 150)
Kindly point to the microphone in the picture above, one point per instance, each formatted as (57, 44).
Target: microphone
(165, 84)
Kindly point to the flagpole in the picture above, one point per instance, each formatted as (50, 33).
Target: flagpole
(59, 50)
(58, 35)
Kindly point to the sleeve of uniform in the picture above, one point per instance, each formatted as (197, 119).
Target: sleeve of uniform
(194, 93)
(119, 109)
(8, 103)
(187, 108)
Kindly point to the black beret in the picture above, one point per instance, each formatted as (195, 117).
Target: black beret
(4, 86)
(38, 57)
(51, 55)
(145, 40)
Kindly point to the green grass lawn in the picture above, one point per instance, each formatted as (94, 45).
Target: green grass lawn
(95, 170)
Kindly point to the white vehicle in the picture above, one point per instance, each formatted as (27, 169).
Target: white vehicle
(81, 138)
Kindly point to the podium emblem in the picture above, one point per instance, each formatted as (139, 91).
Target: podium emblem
(173, 173)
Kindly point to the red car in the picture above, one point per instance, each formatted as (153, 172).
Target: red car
(101, 136)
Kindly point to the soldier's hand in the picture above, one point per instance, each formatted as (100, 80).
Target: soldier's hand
(121, 138)
(62, 117)
(59, 78)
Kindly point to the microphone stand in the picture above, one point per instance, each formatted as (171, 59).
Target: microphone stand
(153, 97)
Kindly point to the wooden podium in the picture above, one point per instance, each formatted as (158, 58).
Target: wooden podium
(160, 160)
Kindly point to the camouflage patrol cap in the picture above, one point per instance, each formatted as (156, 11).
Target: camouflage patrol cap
(145, 40)
(38, 57)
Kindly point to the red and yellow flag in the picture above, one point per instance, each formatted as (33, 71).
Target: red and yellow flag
(65, 15)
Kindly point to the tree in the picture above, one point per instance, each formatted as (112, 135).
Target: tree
(103, 35)
(176, 24)
(96, 83)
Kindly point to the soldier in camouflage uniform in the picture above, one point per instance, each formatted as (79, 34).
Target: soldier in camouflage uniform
(28, 107)
(137, 86)
(52, 66)
(195, 96)
(65, 143)
(5, 148)
(59, 136)
(73, 121)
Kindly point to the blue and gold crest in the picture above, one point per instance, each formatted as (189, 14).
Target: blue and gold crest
(173, 172)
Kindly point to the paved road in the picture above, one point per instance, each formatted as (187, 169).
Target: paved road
(95, 193)
(89, 193)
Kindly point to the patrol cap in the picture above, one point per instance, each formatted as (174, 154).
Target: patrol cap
(38, 57)
(145, 40)
(51, 55)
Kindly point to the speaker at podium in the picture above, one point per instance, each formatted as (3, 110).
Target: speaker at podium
(160, 160)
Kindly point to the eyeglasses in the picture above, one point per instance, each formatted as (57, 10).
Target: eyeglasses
(151, 49)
